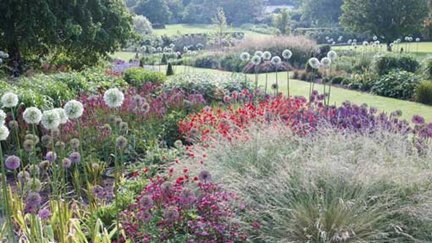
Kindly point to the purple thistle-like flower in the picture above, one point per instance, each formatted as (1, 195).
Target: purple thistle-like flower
(99, 192)
(51, 156)
(44, 214)
(146, 202)
(12, 162)
(418, 120)
(75, 157)
(66, 163)
(33, 199)
(204, 176)
(171, 214)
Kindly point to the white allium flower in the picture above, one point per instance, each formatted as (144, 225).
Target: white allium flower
(267, 55)
(74, 109)
(417, 39)
(256, 60)
(259, 53)
(9, 100)
(355, 40)
(276, 60)
(245, 57)
(314, 63)
(185, 49)
(4, 132)
(113, 98)
(365, 43)
(159, 49)
(172, 45)
(143, 48)
(326, 62)
(32, 115)
(50, 119)
(62, 115)
(375, 38)
(349, 41)
(332, 55)
(287, 54)
(2, 117)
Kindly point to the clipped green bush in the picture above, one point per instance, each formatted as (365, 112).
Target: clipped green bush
(386, 63)
(139, 76)
(397, 84)
(170, 70)
(423, 93)
(427, 69)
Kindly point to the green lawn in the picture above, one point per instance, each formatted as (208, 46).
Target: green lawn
(338, 95)
(177, 29)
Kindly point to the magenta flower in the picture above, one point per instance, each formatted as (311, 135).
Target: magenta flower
(75, 157)
(12, 162)
(51, 156)
(44, 214)
(418, 120)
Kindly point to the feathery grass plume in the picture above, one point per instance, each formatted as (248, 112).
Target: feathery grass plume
(330, 186)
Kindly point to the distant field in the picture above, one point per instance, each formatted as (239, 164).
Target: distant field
(178, 29)
(420, 48)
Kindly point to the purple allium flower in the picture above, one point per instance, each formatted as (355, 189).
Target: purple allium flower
(418, 120)
(51, 156)
(187, 196)
(171, 214)
(12, 162)
(146, 202)
(33, 199)
(204, 176)
(44, 214)
(66, 163)
(166, 187)
(75, 157)
(99, 192)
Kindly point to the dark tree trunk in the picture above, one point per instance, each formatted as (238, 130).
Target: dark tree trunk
(16, 62)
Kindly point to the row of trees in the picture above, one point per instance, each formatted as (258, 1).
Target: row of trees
(80, 30)
(197, 11)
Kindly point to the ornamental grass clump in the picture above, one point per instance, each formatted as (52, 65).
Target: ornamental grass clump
(328, 186)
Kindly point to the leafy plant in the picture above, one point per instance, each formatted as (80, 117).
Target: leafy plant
(397, 84)
(423, 92)
(137, 77)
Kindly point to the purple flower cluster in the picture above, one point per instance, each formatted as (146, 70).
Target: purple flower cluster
(120, 66)
(199, 208)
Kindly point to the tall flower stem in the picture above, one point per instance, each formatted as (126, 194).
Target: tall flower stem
(288, 83)
(6, 199)
(266, 81)
(18, 144)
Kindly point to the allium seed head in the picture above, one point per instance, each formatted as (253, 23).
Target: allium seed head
(9, 100)
(32, 115)
(12, 162)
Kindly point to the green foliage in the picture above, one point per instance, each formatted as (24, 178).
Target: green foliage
(387, 19)
(396, 84)
(211, 86)
(362, 81)
(139, 76)
(282, 22)
(427, 69)
(83, 29)
(49, 91)
(156, 11)
(170, 70)
(386, 63)
(142, 25)
(170, 126)
(322, 12)
(423, 93)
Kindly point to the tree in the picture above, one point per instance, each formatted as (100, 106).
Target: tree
(282, 22)
(322, 12)
(142, 25)
(221, 25)
(156, 11)
(387, 19)
(83, 30)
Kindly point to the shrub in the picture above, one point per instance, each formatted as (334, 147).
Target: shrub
(212, 87)
(170, 70)
(362, 81)
(301, 189)
(423, 93)
(139, 76)
(386, 63)
(396, 84)
(427, 69)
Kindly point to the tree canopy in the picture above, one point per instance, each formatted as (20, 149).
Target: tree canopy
(387, 19)
(156, 11)
(322, 12)
(82, 29)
